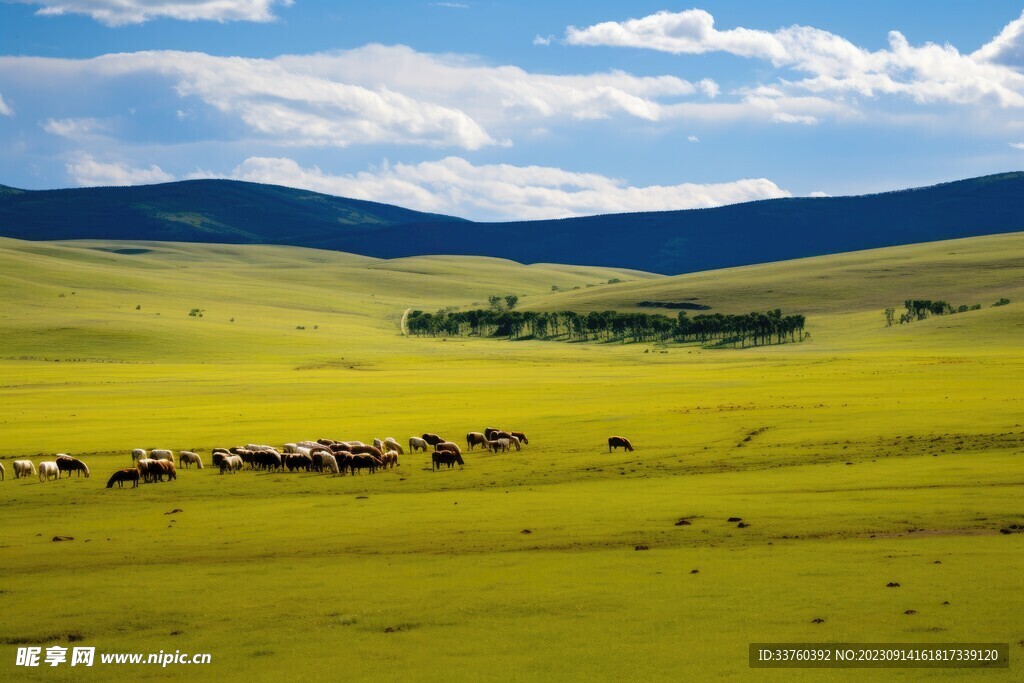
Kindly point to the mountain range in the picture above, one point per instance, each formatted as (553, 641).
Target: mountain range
(670, 242)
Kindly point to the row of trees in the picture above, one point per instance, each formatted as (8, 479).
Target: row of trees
(753, 329)
(920, 309)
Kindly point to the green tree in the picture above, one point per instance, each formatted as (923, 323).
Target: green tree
(511, 300)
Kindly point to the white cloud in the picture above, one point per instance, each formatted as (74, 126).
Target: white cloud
(370, 95)
(818, 194)
(122, 12)
(450, 5)
(1017, 145)
(5, 109)
(927, 74)
(783, 117)
(87, 171)
(542, 40)
(692, 138)
(73, 129)
(498, 191)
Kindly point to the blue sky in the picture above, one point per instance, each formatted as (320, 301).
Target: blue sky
(498, 110)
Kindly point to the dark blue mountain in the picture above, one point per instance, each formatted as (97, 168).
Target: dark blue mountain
(665, 241)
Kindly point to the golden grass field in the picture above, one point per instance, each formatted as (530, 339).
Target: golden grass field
(874, 455)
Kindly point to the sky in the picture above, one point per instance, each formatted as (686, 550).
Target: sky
(504, 110)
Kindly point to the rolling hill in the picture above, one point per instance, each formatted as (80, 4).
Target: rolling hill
(668, 242)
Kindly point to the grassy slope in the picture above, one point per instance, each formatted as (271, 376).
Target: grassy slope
(294, 573)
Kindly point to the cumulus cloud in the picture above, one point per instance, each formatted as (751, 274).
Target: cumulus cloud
(87, 171)
(785, 117)
(73, 128)
(542, 40)
(500, 191)
(371, 95)
(927, 73)
(5, 109)
(1017, 145)
(122, 12)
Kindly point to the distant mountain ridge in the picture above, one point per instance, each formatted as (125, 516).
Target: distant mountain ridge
(664, 242)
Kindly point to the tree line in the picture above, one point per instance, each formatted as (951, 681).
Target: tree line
(920, 309)
(751, 329)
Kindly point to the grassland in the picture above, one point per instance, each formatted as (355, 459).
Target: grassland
(866, 456)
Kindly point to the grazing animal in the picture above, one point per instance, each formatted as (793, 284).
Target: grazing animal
(344, 460)
(222, 450)
(268, 460)
(364, 462)
(619, 442)
(325, 442)
(448, 458)
(319, 449)
(143, 465)
(501, 434)
(158, 469)
(231, 463)
(433, 439)
(24, 468)
(3, 472)
(299, 461)
(138, 454)
(121, 476)
(448, 446)
(476, 439)
(489, 432)
(188, 458)
(367, 450)
(218, 457)
(522, 437)
(378, 444)
(329, 463)
(291, 448)
(48, 470)
(416, 443)
(391, 444)
(352, 443)
(515, 442)
(340, 448)
(390, 460)
(65, 463)
(498, 445)
(161, 454)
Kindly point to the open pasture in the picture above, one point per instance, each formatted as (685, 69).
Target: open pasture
(867, 456)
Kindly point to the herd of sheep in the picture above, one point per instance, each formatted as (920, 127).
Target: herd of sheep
(323, 455)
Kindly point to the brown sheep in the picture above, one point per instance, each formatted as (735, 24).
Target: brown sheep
(476, 439)
(366, 450)
(449, 447)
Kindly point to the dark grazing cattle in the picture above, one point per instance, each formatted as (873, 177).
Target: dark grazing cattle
(65, 463)
(218, 456)
(364, 461)
(299, 461)
(619, 442)
(476, 439)
(433, 439)
(448, 458)
(267, 460)
(121, 476)
(521, 437)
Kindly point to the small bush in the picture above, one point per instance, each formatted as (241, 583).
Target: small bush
(196, 313)
(1002, 302)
